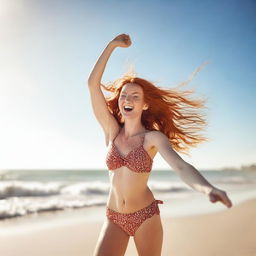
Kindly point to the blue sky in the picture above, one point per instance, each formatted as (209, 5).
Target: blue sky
(48, 49)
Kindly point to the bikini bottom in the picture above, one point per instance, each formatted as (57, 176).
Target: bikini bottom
(130, 222)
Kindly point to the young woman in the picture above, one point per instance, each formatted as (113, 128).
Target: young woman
(140, 119)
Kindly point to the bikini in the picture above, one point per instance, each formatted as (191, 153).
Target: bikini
(139, 161)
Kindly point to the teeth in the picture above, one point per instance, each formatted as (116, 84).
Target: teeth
(128, 107)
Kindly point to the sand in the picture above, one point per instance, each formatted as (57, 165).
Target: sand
(231, 232)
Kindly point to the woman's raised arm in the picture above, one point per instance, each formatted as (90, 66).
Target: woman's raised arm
(99, 105)
(122, 40)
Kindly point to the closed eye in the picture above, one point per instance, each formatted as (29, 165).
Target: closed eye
(123, 95)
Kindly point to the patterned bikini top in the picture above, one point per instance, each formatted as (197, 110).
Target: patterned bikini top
(137, 160)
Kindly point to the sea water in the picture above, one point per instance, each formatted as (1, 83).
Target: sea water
(24, 192)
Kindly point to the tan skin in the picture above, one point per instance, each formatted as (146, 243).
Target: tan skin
(129, 190)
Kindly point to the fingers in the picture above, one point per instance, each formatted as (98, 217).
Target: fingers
(127, 38)
(226, 200)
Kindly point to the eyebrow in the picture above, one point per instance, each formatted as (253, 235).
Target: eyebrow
(132, 93)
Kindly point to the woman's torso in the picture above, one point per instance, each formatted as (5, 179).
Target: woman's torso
(132, 162)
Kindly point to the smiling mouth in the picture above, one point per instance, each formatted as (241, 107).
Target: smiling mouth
(128, 108)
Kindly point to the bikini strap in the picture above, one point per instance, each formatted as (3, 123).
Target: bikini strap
(143, 138)
(159, 201)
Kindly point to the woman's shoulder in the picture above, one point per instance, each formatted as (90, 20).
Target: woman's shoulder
(156, 136)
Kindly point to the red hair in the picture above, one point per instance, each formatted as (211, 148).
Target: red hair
(170, 111)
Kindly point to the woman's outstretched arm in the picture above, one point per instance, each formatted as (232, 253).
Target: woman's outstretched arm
(188, 173)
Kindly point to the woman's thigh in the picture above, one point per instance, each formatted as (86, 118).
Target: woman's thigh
(112, 240)
(149, 237)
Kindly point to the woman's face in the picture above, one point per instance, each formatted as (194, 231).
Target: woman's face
(131, 100)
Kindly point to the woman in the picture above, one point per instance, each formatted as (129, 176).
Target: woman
(139, 120)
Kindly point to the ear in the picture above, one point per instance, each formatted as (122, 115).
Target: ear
(145, 107)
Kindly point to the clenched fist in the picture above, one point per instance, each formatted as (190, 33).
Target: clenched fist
(122, 40)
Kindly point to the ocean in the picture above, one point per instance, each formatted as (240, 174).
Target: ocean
(24, 192)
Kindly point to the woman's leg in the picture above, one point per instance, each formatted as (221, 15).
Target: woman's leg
(112, 240)
(148, 237)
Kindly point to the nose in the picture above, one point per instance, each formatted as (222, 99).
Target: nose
(127, 98)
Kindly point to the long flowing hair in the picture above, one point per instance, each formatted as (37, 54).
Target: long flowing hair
(170, 111)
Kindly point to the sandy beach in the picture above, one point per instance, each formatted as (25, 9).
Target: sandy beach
(228, 232)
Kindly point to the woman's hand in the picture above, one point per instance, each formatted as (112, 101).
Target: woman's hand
(216, 195)
(122, 40)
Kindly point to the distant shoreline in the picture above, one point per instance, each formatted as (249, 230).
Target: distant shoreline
(251, 167)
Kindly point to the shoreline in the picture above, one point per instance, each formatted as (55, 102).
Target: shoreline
(173, 207)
